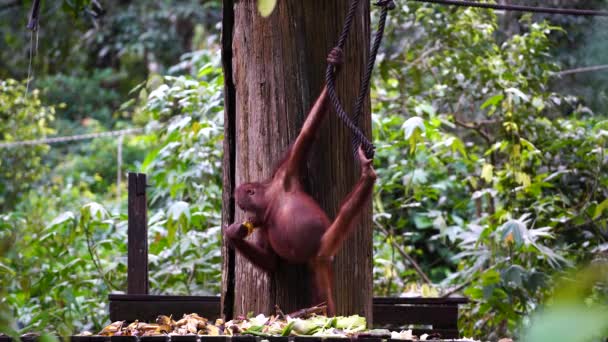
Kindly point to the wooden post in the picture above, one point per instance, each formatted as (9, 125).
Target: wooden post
(228, 169)
(137, 274)
(274, 68)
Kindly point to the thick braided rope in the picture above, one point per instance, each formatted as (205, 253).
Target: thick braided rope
(365, 84)
(348, 22)
(367, 145)
(334, 62)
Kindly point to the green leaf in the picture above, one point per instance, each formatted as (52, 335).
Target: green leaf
(528, 145)
(538, 103)
(493, 101)
(458, 145)
(71, 264)
(178, 210)
(474, 292)
(600, 209)
(567, 322)
(265, 7)
(6, 269)
(94, 211)
(287, 330)
(518, 93)
(125, 105)
(62, 218)
(413, 125)
(149, 160)
(353, 323)
(179, 123)
(514, 275)
(256, 331)
(413, 129)
(490, 277)
(47, 338)
(535, 281)
(304, 327)
(422, 221)
(425, 108)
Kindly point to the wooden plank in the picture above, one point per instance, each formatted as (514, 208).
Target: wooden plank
(148, 310)
(421, 300)
(439, 316)
(377, 300)
(137, 257)
(162, 298)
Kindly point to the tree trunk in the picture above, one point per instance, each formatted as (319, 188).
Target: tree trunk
(274, 70)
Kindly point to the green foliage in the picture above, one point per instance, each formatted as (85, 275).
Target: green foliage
(184, 167)
(88, 97)
(56, 276)
(88, 58)
(492, 178)
(502, 180)
(22, 117)
(581, 302)
(52, 276)
(134, 37)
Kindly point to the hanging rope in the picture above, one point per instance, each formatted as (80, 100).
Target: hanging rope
(32, 24)
(335, 60)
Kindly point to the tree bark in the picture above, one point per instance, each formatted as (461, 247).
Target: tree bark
(277, 69)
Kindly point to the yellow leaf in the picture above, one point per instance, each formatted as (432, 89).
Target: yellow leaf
(429, 291)
(516, 151)
(523, 179)
(265, 7)
(487, 172)
(473, 182)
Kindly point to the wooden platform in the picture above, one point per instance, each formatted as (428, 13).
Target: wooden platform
(194, 338)
(431, 315)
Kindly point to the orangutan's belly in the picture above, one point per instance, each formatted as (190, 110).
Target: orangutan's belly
(300, 223)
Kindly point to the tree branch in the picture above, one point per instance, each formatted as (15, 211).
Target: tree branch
(317, 309)
(477, 127)
(457, 288)
(409, 258)
(423, 56)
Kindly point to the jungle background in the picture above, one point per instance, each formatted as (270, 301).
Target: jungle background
(491, 155)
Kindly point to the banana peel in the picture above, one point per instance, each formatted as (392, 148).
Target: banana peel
(260, 325)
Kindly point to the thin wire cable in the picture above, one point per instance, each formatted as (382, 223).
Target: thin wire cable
(29, 66)
(55, 140)
(582, 69)
(519, 8)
